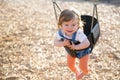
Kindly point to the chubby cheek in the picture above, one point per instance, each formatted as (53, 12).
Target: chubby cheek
(76, 28)
(64, 28)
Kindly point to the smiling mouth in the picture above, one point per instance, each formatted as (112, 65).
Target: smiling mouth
(69, 31)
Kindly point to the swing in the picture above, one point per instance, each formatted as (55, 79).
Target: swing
(91, 27)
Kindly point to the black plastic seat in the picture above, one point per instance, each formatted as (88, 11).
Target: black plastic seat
(92, 33)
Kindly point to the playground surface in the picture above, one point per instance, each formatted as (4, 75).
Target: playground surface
(27, 30)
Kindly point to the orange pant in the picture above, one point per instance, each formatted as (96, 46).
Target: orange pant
(83, 63)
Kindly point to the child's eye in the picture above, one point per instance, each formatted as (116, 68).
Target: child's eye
(73, 25)
(66, 24)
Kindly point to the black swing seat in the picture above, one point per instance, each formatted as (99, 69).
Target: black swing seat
(91, 33)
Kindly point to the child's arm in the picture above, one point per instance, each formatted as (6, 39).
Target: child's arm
(82, 45)
(60, 43)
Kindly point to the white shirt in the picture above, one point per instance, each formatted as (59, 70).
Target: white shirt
(80, 36)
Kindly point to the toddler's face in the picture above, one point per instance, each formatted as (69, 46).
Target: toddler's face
(70, 27)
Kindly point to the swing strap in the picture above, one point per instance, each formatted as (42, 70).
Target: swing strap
(94, 11)
(56, 5)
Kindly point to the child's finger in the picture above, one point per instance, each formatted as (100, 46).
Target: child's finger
(72, 46)
(66, 42)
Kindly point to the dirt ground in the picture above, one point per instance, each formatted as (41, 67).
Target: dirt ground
(27, 30)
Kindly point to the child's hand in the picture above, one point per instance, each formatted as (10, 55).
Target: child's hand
(73, 46)
(66, 42)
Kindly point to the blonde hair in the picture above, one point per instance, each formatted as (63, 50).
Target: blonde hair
(67, 15)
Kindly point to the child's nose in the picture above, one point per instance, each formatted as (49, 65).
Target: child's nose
(70, 26)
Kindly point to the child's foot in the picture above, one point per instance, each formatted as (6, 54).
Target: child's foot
(80, 76)
(77, 76)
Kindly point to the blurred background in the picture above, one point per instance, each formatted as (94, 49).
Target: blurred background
(27, 30)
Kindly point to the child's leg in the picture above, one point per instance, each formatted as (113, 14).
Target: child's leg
(84, 65)
(71, 63)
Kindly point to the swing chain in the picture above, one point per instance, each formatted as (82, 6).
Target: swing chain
(56, 5)
(94, 11)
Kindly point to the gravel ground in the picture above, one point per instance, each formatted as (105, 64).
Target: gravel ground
(27, 30)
